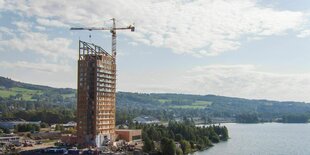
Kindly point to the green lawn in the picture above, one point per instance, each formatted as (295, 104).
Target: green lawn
(164, 100)
(202, 103)
(195, 105)
(187, 107)
(27, 93)
(68, 95)
(6, 93)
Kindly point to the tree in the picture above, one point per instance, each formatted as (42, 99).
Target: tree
(178, 137)
(1, 132)
(207, 141)
(224, 134)
(185, 146)
(179, 151)
(44, 125)
(167, 146)
(27, 127)
(5, 130)
(148, 145)
(213, 136)
(59, 127)
(19, 96)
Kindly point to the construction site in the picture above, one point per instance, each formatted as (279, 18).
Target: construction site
(96, 105)
(96, 96)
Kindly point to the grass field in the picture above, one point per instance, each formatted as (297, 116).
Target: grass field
(164, 100)
(195, 105)
(68, 95)
(6, 93)
(187, 107)
(26, 93)
(202, 103)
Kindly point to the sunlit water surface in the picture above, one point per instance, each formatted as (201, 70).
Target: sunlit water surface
(264, 139)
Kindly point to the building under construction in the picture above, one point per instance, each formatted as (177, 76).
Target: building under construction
(96, 95)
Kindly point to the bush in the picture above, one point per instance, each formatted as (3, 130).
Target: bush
(179, 151)
(185, 146)
(27, 127)
(167, 146)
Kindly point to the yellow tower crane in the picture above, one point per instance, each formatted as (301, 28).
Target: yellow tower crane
(112, 29)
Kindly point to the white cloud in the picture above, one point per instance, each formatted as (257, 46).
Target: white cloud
(6, 33)
(304, 33)
(132, 43)
(248, 81)
(51, 23)
(42, 66)
(41, 72)
(23, 25)
(23, 39)
(201, 27)
(39, 43)
(1, 4)
(40, 28)
(245, 81)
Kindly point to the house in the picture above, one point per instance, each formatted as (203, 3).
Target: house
(10, 123)
(69, 125)
(9, 138)
(146, 120)
(129, 135)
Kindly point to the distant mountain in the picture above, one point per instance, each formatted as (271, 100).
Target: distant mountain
(9, 83)
(160, 105)
(212, 105)
(10, 89)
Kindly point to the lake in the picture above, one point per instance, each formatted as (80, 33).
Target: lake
(263, 139)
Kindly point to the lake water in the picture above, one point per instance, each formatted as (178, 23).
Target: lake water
(264, 139)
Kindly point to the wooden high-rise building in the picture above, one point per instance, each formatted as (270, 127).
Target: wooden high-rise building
(96, 95)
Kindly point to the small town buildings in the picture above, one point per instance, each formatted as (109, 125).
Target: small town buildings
(10, 123)
(129, 135)
(69, 125)
(69, 139)
(146, 120)
(9, 138)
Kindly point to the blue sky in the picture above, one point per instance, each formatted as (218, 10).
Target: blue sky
(245, 48)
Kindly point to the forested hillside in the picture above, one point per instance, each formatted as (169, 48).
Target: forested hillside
(35, 102)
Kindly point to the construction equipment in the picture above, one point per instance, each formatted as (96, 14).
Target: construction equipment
(97, 90)
(112, 29)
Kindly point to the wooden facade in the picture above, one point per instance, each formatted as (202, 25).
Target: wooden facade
(96, 95)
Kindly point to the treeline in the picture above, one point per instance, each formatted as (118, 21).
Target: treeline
(247, 118)
(27, 127)
(180, 138)
(287, 118)
(293, 118)
(50, 116)
(221, 106)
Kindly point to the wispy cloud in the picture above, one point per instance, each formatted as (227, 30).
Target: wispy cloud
(304, 33)
(246, 81)
(51, 23)
(24, 39)
(42, 66)
(200, 28)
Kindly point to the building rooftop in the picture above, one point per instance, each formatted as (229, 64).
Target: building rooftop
(11, 120)
(127, 129)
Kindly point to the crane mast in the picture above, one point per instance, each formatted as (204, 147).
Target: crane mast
(113, 39)
(112, 29)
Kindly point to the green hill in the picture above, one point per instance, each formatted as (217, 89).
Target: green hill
(10, 89)
(26, 100)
